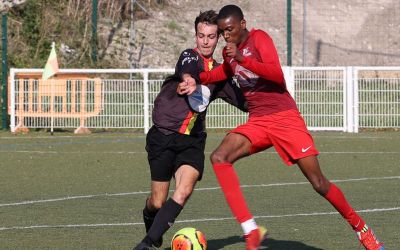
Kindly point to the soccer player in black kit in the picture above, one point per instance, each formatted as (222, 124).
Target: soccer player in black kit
(175, 143)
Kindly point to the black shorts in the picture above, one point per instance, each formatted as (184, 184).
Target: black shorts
(166, 153)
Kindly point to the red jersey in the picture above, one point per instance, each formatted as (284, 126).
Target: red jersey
(259, 75)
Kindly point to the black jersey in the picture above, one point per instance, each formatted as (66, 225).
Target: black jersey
(176, 113)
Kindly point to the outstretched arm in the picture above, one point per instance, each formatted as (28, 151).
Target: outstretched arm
(218, 74)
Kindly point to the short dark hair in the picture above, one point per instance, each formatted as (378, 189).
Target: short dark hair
(209, 17)
(230, 10)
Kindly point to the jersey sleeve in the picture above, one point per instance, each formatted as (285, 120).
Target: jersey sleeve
(188, 63)
(269, 67)
(220, 73)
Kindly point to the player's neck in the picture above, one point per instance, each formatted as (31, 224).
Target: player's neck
(244, 36)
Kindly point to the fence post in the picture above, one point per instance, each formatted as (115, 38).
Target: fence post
(288, 73)
(347, 117)
(12, 99)
(146, 100)
(355, 99)
(351, 121)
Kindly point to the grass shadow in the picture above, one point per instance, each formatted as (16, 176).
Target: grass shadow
(272, 244)
(269, 244)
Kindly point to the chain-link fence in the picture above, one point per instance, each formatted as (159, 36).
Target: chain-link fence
(332, 33)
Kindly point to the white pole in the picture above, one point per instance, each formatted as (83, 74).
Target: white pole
(350, 116)
(146, 100)
(12, 100)
(52, 102)
(289, 79)
(347, 116)
(52, 107)
(355, 101)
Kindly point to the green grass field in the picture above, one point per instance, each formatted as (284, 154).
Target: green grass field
(87, 192)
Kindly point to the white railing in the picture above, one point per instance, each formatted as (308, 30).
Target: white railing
(329, 98)
(378, 97)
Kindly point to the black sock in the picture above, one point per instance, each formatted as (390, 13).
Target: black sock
(148, 217)
(164, 219)
(150, 213)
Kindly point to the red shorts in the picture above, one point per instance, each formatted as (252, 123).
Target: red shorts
(285, 130)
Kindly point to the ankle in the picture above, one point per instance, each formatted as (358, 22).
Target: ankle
(249, 226)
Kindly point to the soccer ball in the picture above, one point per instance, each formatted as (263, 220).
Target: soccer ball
(189, 238)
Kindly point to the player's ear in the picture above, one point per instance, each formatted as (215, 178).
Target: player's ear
(243, 24)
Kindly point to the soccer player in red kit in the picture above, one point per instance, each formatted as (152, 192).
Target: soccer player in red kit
(274, 120)
(175, 143)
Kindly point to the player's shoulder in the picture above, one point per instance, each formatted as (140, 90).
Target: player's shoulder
(257, 33)
(189, 56)
(189, 52)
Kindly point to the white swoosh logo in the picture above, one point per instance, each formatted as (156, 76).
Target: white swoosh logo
(305, 149)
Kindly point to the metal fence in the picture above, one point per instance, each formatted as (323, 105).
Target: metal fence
(330, 98)
(378, 103)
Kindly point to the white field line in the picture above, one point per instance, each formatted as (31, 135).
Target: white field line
(196, 189)
(129, 136)
(375, 210)
(214, 136)
(207, 152)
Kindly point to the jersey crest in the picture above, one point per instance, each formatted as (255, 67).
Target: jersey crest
(188, 58)
(245, 77)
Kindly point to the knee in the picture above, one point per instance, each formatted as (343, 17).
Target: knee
(321, 185)
(155, 204)
(182, 194)
(218, 157)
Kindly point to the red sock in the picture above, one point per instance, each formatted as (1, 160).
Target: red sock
(230, 185)
(337, 199)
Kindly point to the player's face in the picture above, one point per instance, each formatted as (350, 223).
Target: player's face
(232, 29)
(206, 38)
